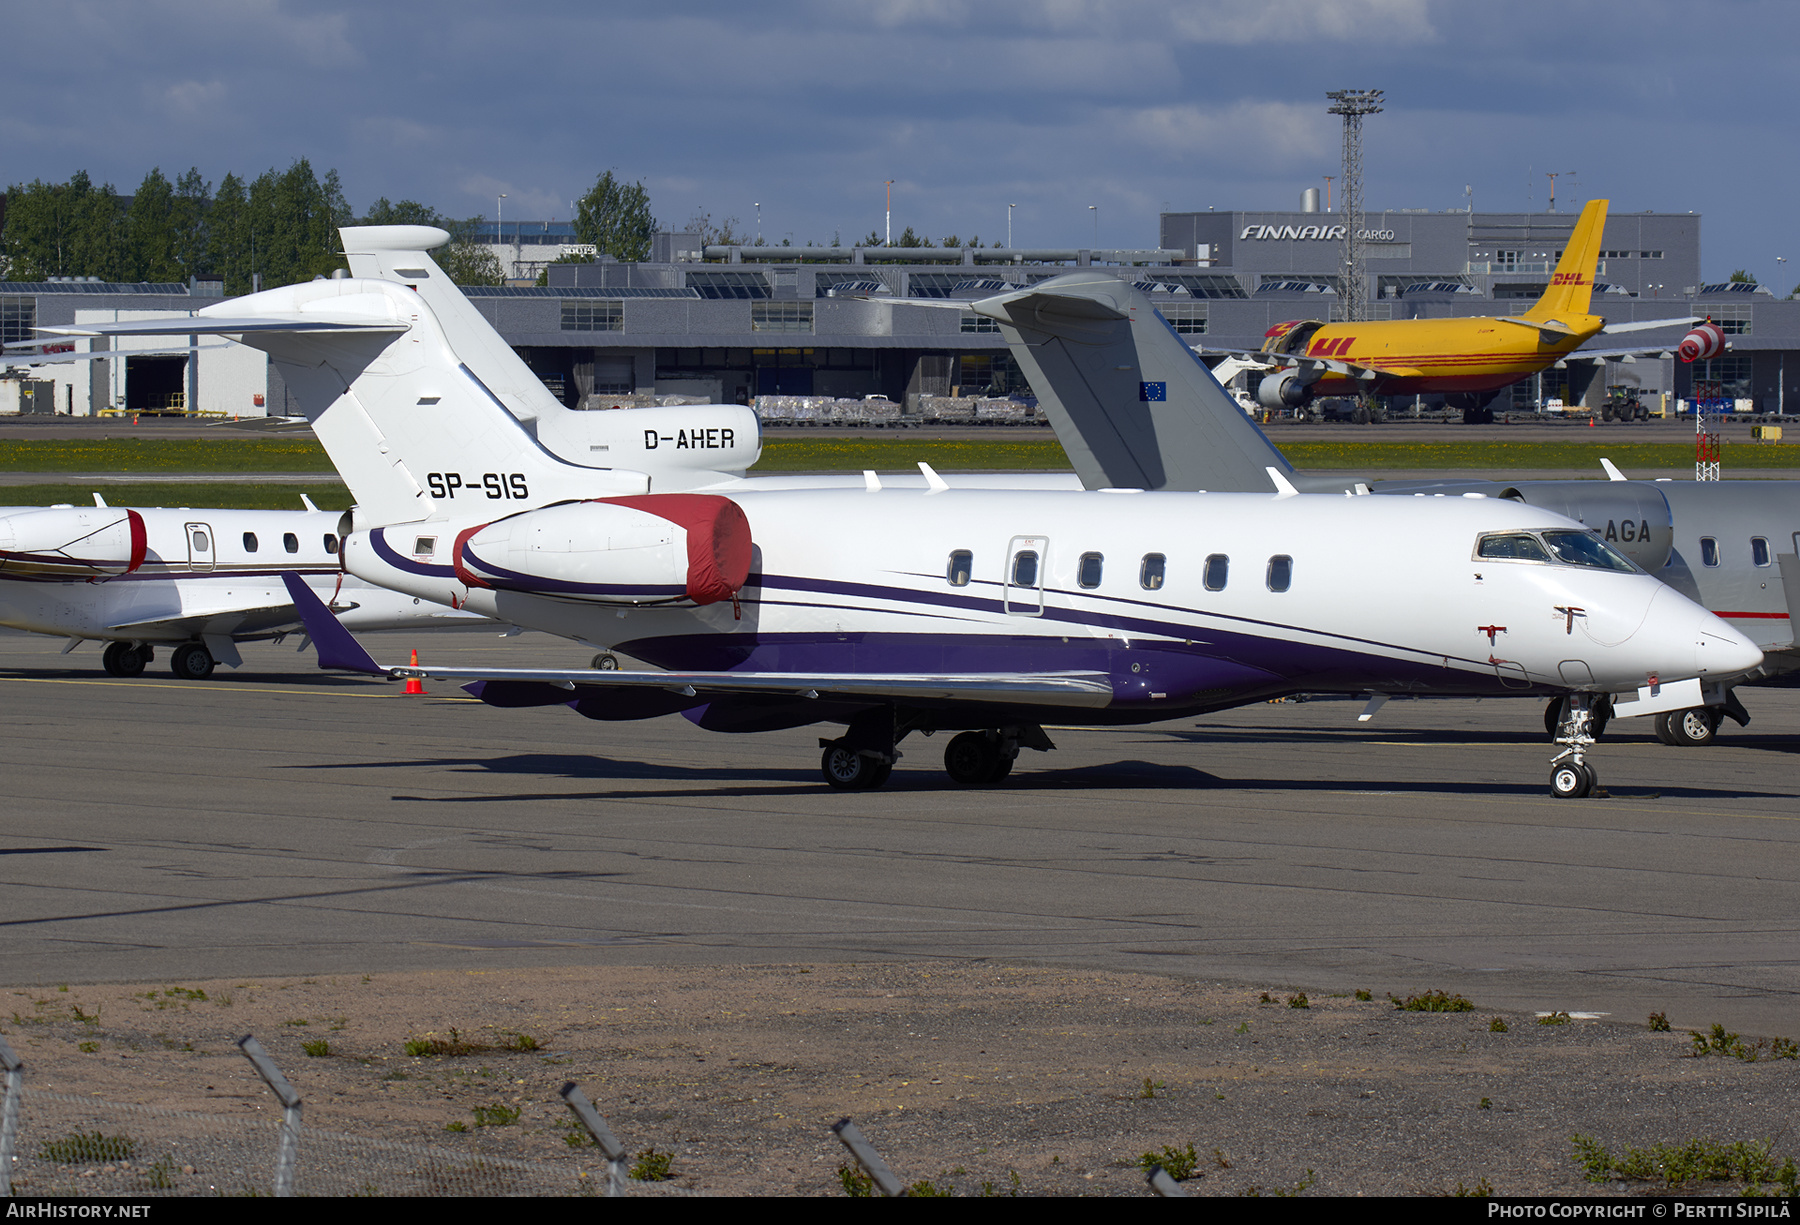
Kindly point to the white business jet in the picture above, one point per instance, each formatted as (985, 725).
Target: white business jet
(194, 581)
(978, 611)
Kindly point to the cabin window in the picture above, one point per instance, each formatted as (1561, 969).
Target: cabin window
(961, 563)
(1025, 568)
(1281, 572)
(330, 545)
(1759, 550)
(425, 546)
(1709, 551)
(290, 542)
(200, 542)
(1218, 571)
(1150, 575)
(249, 542)
(1088, 574)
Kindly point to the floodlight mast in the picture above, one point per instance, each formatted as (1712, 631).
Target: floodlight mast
(1353, 104)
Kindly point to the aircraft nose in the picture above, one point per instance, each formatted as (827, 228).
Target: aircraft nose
(1721, 650)
(1690, 641)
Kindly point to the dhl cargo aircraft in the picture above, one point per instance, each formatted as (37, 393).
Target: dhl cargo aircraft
(1466, 360)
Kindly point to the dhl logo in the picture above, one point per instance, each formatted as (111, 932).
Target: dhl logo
(1568, 278)
(1337, 347)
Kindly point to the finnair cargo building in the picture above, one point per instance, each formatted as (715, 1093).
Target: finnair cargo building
(738, 324)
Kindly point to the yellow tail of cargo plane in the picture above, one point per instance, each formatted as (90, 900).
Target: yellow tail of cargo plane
(1468, 360)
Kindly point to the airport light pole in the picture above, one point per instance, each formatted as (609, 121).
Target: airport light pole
(1095, 209)
(1553, 176)
(1009, 209)
(499, 225)
(890, 213)
(758, 206)
(1353, 104)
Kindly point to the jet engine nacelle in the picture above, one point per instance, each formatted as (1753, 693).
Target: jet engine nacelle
(1283, 390)
(71, 542)
(1633, 516)
(1707, 340)
(683, 437)
(659, 548)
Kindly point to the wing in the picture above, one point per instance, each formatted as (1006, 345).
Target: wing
(1323, 365)
(339, 650)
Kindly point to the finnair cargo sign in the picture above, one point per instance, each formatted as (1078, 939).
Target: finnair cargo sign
(1303, 233)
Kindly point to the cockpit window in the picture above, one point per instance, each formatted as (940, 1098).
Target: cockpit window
(1586, 549)
(1565, 548)
(1514, 546)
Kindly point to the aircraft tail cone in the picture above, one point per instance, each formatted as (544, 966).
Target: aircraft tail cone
(414, 684)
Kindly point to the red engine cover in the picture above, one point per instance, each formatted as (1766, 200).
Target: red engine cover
(718, 539)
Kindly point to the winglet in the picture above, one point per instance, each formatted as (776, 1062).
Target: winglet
(1612, 472)
(308, 503)
(338, 650)
(1284, 488)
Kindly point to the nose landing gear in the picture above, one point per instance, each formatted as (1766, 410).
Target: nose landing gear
(1571, 777)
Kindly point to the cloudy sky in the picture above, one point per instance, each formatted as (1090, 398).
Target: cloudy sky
(807, 106)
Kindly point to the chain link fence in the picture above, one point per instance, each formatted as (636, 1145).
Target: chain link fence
(58, 1144)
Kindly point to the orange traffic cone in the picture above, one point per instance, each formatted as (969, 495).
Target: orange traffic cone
(413, 683)
(1590, 423)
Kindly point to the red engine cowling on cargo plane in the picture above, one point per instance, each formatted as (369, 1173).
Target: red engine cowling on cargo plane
(658, 548)
(1707, 340)
(71, 542)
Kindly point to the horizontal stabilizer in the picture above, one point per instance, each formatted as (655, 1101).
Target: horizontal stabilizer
(1644, 325)
(213, 325)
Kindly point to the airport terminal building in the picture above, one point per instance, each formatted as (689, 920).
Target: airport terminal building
(734, 324)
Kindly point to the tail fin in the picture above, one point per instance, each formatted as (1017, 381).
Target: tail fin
(402, 253)
(414, 431)
(1572, 287)
(1134, 407)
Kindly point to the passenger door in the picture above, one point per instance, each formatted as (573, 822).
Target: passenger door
(1027, 560)
(200, 546)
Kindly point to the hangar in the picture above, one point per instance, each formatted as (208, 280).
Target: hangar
(746, 323)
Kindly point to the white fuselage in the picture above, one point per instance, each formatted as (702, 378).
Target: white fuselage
(1381, 595)
(210, 574)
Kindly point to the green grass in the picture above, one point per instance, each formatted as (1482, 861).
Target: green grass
(327, 493)
(1525, 456)
(152, 455)
(900, 454)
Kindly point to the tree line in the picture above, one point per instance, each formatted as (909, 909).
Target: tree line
(281, 228)
(277, 229)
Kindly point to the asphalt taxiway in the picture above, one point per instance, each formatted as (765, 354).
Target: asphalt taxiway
(281, 821)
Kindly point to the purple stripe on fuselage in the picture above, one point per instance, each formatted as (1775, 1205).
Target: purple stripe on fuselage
(1228, 669)
(378, 539)
(1076, 616)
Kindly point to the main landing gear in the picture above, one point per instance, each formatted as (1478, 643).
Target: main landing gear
(864, 756)
(1690, 728)
(1571, 777)
(126, 658)
(191, 661)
